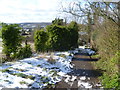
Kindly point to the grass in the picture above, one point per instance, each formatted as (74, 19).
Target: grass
(6, 70)
(23, 82)
(110, 78)
(62, 55)
(25, 76)
(38, 65)
(21, 75)
(51, 60)
(31, 77)
(95, 56)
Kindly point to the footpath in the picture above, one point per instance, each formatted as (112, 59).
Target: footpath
(83, 74)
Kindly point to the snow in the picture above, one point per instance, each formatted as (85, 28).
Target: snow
(82, 78)
(73, 78)
(11, 81)
(39, 71)
(82, 49)
(35, 72)
(80, 81)
(84, 84)
(90, 52)
(83, 33)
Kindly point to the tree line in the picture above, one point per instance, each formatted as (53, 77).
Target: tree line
(55, 37)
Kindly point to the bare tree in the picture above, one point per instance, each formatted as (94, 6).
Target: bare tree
(92, 12)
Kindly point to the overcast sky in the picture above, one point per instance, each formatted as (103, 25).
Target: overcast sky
(17, 11)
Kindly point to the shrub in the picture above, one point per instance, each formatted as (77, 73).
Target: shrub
(73, 34)
(11, 39)
(24, 52)
(40, 39)
(107, 40)
(108, 45)
(58, 38)
(110, 78)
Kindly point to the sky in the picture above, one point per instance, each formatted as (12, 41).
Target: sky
(17, 11)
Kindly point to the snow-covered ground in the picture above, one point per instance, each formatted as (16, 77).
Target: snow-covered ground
(35, 72)
(82, 81)
(38, 71)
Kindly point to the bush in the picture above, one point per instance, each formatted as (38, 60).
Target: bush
(24, 52)
(11, 39)
(58, 38)
(108, 44)
(40, 38)
(73, 34)
(107, 40)
(110, 78)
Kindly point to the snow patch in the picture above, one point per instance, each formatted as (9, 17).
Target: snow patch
(84, 84)
(82, 78)
(36, 72)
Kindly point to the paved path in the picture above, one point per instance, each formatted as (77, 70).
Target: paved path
(83, 74)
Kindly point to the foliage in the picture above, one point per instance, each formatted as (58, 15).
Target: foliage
(0, 33)
(58, 21)
(110, 78)
(58, 37)
(24, 52)
(40, 39)
(21, 75)
(23, 82)
(11, 39)
(108, 50)
(108, 44)
(73, 34)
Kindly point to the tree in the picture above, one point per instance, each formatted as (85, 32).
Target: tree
(11, 39)
(40, 39)
(92, 12)
(73, 34)
(58, 37)
(58, 21)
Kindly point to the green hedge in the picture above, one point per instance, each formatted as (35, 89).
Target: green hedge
(57, 37)
(108, 44)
